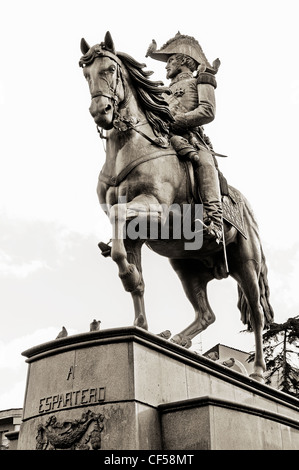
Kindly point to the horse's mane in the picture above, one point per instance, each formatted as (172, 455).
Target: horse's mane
(150, 94)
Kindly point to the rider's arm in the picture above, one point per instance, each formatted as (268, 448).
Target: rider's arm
(206, 108)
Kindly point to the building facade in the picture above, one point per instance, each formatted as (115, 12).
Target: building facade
(10, 421)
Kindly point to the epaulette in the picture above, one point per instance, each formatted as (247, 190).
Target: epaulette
(207, 78)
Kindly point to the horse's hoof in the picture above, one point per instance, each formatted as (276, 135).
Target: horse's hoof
(186, 342)
(181, 340)
(257, 377)
(141, 322)
(165, 334)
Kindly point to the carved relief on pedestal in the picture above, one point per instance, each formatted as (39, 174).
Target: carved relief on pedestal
(78, 434)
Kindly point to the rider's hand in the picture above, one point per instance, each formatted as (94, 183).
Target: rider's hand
(180, 123)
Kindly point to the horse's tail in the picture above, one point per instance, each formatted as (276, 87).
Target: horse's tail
(263, 282)
(265, 293)
(264, 299)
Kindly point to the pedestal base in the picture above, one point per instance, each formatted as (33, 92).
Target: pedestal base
(127, 389)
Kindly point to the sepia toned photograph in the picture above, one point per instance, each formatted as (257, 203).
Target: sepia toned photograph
(149, 256)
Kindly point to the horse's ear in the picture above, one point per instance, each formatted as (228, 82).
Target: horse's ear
(84, 46)
(109, 44)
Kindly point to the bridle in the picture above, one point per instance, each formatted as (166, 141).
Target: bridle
(119, 79)
(113, 97)
(119, 122)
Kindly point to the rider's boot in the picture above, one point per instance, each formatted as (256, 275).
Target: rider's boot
(209, 190)
(208, 185)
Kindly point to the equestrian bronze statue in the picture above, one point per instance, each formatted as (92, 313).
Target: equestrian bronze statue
(151, 179)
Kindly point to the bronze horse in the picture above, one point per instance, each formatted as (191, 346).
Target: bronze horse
(142, 171)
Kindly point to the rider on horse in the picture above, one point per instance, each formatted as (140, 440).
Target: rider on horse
(192, 103)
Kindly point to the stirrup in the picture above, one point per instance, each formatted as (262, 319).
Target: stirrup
(211, 230)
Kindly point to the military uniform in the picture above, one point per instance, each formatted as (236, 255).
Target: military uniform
(192, 102)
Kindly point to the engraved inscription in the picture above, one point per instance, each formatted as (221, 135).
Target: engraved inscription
(85, 396)
(70, 373)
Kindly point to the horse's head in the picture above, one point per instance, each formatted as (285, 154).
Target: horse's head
(102, 70)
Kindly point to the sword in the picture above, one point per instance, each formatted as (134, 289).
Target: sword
(216, 154)
(204, 146)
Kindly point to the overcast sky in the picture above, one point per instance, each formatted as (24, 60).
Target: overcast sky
(51, 271)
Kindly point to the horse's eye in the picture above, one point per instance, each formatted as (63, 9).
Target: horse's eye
(112, 68)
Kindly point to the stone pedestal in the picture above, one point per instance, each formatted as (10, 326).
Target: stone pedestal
(127, 389)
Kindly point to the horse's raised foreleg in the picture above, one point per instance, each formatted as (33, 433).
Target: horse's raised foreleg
(126, 250)
(194, 278)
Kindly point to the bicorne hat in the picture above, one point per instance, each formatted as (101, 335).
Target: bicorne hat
(182, 44)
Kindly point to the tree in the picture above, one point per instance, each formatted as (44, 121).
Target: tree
(281, 349)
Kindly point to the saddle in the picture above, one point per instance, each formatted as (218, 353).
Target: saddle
(232, 207)
(232, 203)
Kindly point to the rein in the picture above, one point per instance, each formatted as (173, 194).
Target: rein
(121, 123)
(128, 124)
